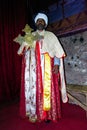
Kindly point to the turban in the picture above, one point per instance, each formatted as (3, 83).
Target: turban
(41, 16)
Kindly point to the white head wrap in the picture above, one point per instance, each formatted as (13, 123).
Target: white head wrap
(41, 16)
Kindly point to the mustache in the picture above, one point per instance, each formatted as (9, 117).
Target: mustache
(40, 26)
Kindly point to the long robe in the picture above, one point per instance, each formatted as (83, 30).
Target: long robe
(41, 89)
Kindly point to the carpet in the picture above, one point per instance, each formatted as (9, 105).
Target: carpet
(73, 118)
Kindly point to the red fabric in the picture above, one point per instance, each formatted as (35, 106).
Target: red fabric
(12, 21)
(39, 86)
(74, 118)
(55, 112)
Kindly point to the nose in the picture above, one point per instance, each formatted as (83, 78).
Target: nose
(40, 21)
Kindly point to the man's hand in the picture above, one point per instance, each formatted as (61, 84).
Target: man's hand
(55, 69)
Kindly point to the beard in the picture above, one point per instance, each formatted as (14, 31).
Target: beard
(40, 26)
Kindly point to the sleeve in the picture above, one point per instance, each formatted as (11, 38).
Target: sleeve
(56, 61)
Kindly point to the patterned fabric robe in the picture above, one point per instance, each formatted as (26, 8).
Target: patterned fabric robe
(41, 89)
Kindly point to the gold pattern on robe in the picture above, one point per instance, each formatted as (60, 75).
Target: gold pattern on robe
(47, 84)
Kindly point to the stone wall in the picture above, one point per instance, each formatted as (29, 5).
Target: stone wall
(75, 47)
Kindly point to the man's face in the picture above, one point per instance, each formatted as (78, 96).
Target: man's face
(40, 24)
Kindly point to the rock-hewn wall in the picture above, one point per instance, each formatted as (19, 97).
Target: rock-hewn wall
(76, 61)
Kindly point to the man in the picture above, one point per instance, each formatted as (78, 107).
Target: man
(42, 75)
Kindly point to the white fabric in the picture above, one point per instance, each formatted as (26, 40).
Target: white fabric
(30, 83)
(21, 48)
(51, 44)
(41, 16)
(63, 84)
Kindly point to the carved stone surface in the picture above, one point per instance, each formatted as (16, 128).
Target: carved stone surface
(76, 60)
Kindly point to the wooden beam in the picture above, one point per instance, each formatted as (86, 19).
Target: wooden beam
(77, 101)
(70, 25)
(77, 88)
